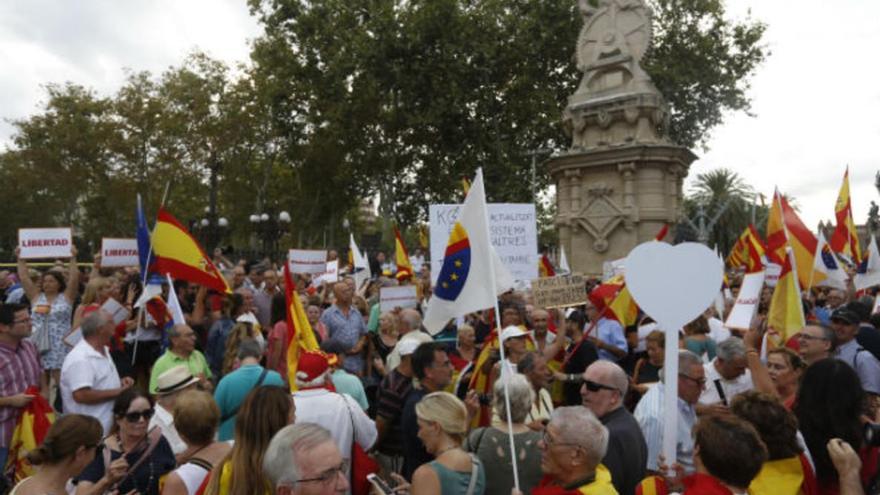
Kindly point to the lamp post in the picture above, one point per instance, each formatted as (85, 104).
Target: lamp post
(535, 154)
(269, 228)
(211, 228)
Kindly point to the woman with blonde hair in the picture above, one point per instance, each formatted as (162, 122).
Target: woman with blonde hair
(265, 410)
(443, 424)
(68, 448)
(240, 332)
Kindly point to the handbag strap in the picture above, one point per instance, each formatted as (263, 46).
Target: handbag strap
(231, 414)
(475, 471)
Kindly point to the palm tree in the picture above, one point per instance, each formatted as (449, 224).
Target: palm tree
(722, 193)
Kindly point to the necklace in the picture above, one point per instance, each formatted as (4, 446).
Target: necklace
(447, 449)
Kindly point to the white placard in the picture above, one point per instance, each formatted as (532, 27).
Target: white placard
(45, 243)
(119, 252)
(743, 311)
(771, 273)
(673, 285)
(330, 274)
(307, 261)
(397, 297)
(611, 269)
(116, 310)
(512, 232)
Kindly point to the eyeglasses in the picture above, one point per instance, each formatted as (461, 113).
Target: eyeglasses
(549, 442)
(134, 417)
(595, 387)
(23, 320)
(803, 336)
(329, 475)
(699, 381)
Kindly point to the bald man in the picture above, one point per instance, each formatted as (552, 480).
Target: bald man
(603, 391)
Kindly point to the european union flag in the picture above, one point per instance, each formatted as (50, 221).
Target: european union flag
(456, 265)
(828, 258)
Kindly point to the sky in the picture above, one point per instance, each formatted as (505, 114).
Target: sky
(815, 101)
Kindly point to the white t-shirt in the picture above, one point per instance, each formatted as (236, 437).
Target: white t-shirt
(717, 331)
(164, 420)
(84, 367)
(733, 387)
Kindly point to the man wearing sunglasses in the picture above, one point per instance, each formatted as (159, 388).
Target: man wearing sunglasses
(303, 459)
(604, 388)
(650, 412)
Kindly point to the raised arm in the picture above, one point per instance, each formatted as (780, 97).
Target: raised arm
(760, 375)
(30, 288)
(72, 278)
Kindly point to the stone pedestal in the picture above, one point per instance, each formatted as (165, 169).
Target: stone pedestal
(621, 179)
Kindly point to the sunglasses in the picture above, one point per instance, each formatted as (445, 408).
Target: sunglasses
(134, 417)
(595, 387)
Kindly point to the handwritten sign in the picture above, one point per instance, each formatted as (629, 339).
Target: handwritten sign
(512, 232)
(559, 292)
(307, 261)
(119, 252)
(398, 297)
(45, 243)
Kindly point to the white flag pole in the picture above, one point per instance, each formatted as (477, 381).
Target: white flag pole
(504, 373)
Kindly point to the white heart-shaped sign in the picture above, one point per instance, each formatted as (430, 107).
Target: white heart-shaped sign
(673, 284)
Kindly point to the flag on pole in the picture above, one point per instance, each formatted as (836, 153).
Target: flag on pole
(174, 304)
(360, 267)
(776, 237)
(662, 233)
(803, 245)
(545, 268)
(564, 269)
(748, 251)
(146, 256)
(401, 256)
(786, 313)
(300, 336)
(826, 263)
(464, 284)
(614, 295)
(868, 271)
(845, 239)
(177, 253)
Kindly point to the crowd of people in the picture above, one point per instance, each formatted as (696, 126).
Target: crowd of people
(146, 406)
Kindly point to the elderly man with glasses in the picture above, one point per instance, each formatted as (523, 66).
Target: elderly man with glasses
(604, 388)
(303, 459)
(816, 342)
(650, 412)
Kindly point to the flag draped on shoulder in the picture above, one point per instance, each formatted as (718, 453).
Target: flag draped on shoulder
(845, 239)
(826, 263)
(177, 253)
(401, 256)
(464, 284)
(786, 314)
(868, 271)
(300, 336)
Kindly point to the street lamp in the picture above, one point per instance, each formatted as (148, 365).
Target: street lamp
(269, 228)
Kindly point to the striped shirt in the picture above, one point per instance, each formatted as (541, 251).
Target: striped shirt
(649, 415)
(19, 369)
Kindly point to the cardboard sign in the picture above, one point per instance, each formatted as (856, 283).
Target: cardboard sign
(330, 274)
(45, 243)
(559, 292)
(512, 232)
(119, 252)
(116, 310)
(746, 302)
(397, 297)
(307, 261)
(673, 285)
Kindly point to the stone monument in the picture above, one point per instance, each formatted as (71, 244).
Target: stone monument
(621, 180)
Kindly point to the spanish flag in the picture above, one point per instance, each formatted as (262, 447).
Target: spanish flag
(34, 422)
(776, 237)
(545, 268)
(401, 256)
(177, 253)
(789, 476)
(614, 295)
(300, 335)
(786, 314)
(845, 239)
(803, 245)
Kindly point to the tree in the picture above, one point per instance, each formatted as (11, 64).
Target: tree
(402, 99)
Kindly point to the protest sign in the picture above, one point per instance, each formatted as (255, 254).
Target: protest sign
(119, 252)
(397, 297)
(673, 285)
(307, 261)
(45, 243)
(559, 292)
(611, 269)
(771, 273)
(746, 302)
(330, 274)
(512, 232)
(118, 312)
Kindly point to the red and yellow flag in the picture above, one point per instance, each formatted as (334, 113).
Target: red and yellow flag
(545, 268)
(776, 237)
(614, 294)
(747, 251)
(34, 422)
(401, 256)
(178, 254)
(845, 239)
(300, 335)
(786, 313)
(803, 245)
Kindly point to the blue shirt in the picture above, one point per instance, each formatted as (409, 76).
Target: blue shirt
(346, 383)
(346, 331)
(611, 333)
(232, 390)
(215, 349)
(650, 416)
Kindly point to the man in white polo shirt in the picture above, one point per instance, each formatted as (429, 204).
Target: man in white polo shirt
(726, 375)
(89, 380)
